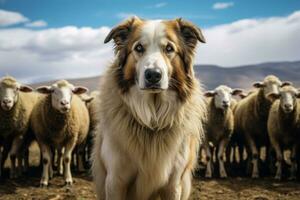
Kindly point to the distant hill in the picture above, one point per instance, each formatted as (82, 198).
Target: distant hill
(212, 75)
(243, 76)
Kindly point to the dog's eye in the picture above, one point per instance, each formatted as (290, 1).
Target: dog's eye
(139, 48)
(169, 49)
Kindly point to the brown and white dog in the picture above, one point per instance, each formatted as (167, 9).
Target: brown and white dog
(151, 112)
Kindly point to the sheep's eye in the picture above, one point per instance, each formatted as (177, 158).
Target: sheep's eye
(139, 48)
(169, 49)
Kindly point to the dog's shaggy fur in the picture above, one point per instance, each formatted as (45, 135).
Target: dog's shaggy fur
(146, 145)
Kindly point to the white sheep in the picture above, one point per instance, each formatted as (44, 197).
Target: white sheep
(220, 124)
(251, 115)
(60, 120)
(92, 102)
(17, 103)
(283, 127)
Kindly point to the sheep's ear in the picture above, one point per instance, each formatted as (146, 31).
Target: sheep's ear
(298, 94)
(25, 88)
(120, 33)
(190, 33)
(79, 90)
(88, 99)
(243, 95)
(273, 96)
(209, 93)
(286, 83)
(258, 84)
(44, 89)
(236, 92)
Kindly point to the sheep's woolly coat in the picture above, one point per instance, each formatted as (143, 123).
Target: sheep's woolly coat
(284, 128)
(169, 132)
(220, 123)
(57, 129)
(93, 112)
(16, 121)
(251, 115)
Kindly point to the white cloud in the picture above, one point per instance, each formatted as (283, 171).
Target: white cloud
(36, 24)
(160, 5)
(252, 41)
(222, 5)
(8, 18)
(67, 52)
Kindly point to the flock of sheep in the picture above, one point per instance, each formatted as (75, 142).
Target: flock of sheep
(62, 119)
(267, 117)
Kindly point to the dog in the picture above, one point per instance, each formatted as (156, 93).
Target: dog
(151, 112)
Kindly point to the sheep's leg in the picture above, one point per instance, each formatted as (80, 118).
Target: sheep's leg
(51, 164)
(208, 173)
(46, 154)
(294, 162)
(14, 152)
(254, 152)
(80, 154)
(20, 164)
(0, 161)
(279, 158)
(60, 168)
(26, 160)
(67, 162)
(220, 155)
(4, 155)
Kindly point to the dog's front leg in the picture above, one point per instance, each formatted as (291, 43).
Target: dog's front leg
(120, 171)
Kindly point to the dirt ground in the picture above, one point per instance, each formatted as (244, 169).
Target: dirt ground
(229, 189)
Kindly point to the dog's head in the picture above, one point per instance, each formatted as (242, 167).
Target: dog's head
(155, 55)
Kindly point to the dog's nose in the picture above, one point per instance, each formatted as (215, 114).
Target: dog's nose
(153, 75)
(64, 102)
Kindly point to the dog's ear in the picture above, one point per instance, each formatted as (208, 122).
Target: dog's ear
(121, 32)
(190, 33)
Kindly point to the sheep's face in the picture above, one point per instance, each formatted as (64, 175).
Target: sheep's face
(222, 96)
(270, 85)
(9, 92)
(288, 98)
(61, 95)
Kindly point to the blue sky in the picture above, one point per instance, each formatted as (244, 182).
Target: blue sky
(53, 39)
(97, 13)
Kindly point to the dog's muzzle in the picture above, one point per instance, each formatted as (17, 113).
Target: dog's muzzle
(153, 78)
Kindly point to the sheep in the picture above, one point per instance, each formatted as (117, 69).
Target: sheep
(283, 126)
(60, 120)
(92, 102)
(17, 103)
(244, 95)
(219, 125)
(251, 115)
